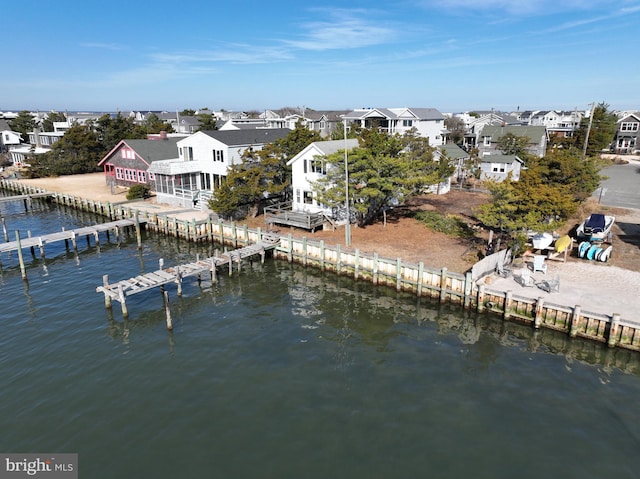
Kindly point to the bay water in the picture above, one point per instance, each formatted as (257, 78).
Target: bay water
(284, 372)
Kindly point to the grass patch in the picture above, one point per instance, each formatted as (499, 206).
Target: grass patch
(451, 225)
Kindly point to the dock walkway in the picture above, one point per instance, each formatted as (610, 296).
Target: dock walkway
(41, 240)
(120, 290)
(25, 198)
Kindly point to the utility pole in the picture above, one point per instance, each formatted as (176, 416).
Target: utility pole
(586, 140)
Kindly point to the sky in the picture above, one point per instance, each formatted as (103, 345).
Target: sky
(452, 55)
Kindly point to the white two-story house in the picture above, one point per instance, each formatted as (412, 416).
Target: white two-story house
(428, 122)
(309, 166)
(203, 161)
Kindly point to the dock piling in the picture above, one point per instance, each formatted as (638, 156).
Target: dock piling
(23, 271)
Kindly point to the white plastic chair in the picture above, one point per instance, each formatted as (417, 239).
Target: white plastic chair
(539, 264)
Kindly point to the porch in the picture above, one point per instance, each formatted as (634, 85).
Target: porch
(283, 214)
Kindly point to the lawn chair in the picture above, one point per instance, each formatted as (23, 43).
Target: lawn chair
(550, 286)
(525, 279)
(539, 264)
(503, 270)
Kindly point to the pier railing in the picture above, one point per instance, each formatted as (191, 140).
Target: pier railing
(417, 278)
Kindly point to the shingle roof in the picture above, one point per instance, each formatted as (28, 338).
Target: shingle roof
(534, 133)
(453, 151)
(500, 159)
(153, 150)
(256, 136)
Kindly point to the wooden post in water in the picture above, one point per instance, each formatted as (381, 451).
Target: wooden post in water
(107, 298)
(420, 276)
(41, 246)
(575, 320)
(613, 330)
(4, 230)
(443, 284)
(123, 301)
(138, 234)
(161, 263)
(213, 271)
(398, 273)
(179, 281)
(508, 301)
(73, 241)
(167, 311)
(537, 317)
(468, 285)
(23, 271)
(356, 265)
(31, 248)
(480, 298)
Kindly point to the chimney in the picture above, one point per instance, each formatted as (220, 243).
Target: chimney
(163, 135)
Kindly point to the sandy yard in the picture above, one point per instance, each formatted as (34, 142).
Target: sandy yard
(597, 287)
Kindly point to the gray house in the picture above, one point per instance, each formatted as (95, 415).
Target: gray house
(627, 139)
(491, 134)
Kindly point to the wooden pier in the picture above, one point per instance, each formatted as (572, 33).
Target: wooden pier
(120, 290)
(25, 198)
(66, 236)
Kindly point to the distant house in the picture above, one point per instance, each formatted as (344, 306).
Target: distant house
(203, 161)
(9, 139)
(128, 163)
(428, 122)
(457, 156)
(627, 139)
(491, 135)
(498, 167)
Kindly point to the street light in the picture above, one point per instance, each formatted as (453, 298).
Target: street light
(347, 225)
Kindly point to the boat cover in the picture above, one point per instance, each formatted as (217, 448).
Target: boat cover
(594, 224)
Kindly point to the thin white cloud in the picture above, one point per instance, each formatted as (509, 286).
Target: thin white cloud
(520, 7)
(344, 29)
(229, 53)
(103, 46)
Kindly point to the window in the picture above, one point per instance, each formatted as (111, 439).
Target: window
(317, 166)
(187, 151)
(119, 173)
(128, 153)
(142, 177)
(629, 126)
(218, 155)
(152, 177)
(297, 195)
(308, 197)
(407, 123)
(486, 140)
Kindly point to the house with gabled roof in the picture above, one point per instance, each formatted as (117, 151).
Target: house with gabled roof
(491, 135)
(428, 122)
(309, 166)
(498, 167)
(128, 162)
(203, 160)
(627, 138)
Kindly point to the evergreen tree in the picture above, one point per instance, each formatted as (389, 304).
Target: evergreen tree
(154, 124)
(78, 151)
(602, 132)
(24, 124)
(53, 116)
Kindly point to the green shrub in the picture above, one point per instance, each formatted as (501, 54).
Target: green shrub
(449, 224)
(138, 191)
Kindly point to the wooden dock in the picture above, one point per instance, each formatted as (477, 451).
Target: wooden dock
(72, 235)
(66, 236)
(120, 290)
(25, 198)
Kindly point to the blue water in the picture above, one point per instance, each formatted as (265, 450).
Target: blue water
(280, 371)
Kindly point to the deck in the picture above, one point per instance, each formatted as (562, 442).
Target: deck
(283, 214)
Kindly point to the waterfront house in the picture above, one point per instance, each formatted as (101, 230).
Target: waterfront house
(128, 162)
(309, 166)
(627, 138)
(498, 167)
(203, 160)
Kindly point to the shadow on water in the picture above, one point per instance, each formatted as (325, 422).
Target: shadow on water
(349, 310)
